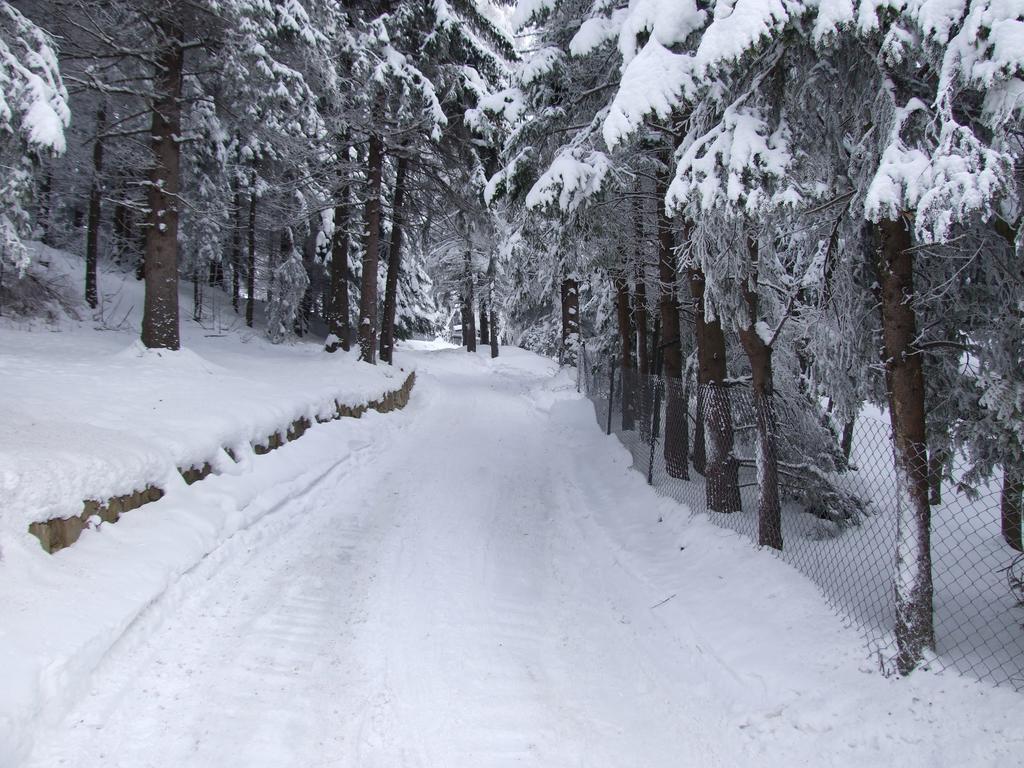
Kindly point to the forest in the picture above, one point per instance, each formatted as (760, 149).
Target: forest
(758, 220)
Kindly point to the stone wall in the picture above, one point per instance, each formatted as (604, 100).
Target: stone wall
(58, 533)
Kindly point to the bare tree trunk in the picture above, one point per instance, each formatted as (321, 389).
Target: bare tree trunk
(570, 317)
(250, 267)
(936, 461)
(236, 250)
(642, 325)
(160, 312)
(847, 440)
(368, 287)
(677, 430)
(626, 364)
(493, 327)
(905, 379)
(387, 335)
(1010, 505)
(197, 295)
(485, 332)
(469, 316)
(337, 316)
(759, 353)
(700, 457)
(92, 237)
(714, 408)
(643, 393)
(46, 204)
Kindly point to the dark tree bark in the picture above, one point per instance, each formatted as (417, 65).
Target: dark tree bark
(46, 204)
(160, 313)
(368, 287)
(714, 408)
(1010, 504)
(92, 235)
(641, 323)
(250, 266)
(936, 461)
(677, 429)
(307, 305)
(236, 250)
(468, 315)
(700, 457)
(197, 295)
(642, 391)
(337, 317)
(626, 363)
(759, 354)
(570, 294)
(847, 439)
(387, 334)
(905, 384)
(494, 328)
(485, 332)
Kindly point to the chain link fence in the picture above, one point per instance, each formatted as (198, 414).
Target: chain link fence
(834, 517)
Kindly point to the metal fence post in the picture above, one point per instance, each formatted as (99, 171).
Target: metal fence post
(655, 427)
(611, 397)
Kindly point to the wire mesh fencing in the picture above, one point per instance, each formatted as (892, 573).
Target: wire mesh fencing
(824, 497)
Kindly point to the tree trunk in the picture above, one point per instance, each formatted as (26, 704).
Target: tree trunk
(642, 391)
(468, 315)
(700, 457)
(626, 365)
(92, 237)
(847, 440)
(905, 380)
(337, 317)
(677, 430)
(1010, 504)
(368, 286)
(714, 409)
(493, 327)
(45, 217)
(570, 291)
(485, 333)
(160, 312)
(250, 266)
(387, 335)
(759, 353)
(936, 461)
(236, 250)
(640, 323)
(197, 294)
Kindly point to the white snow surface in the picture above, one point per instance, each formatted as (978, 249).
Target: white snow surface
(91, 415)
(480, 579)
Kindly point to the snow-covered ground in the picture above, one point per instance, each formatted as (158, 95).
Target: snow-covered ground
(88, 413)
(478, 580)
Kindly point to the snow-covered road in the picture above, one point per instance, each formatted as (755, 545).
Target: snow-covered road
(483, 587)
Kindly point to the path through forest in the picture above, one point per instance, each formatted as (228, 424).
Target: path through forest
(491, 586)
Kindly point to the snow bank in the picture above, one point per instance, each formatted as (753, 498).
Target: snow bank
(92, 415)
(62, 613)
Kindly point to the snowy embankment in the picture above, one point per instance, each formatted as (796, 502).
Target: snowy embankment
(91, 415)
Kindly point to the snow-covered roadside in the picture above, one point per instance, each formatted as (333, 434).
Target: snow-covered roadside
(90, 414)
(61, 614)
